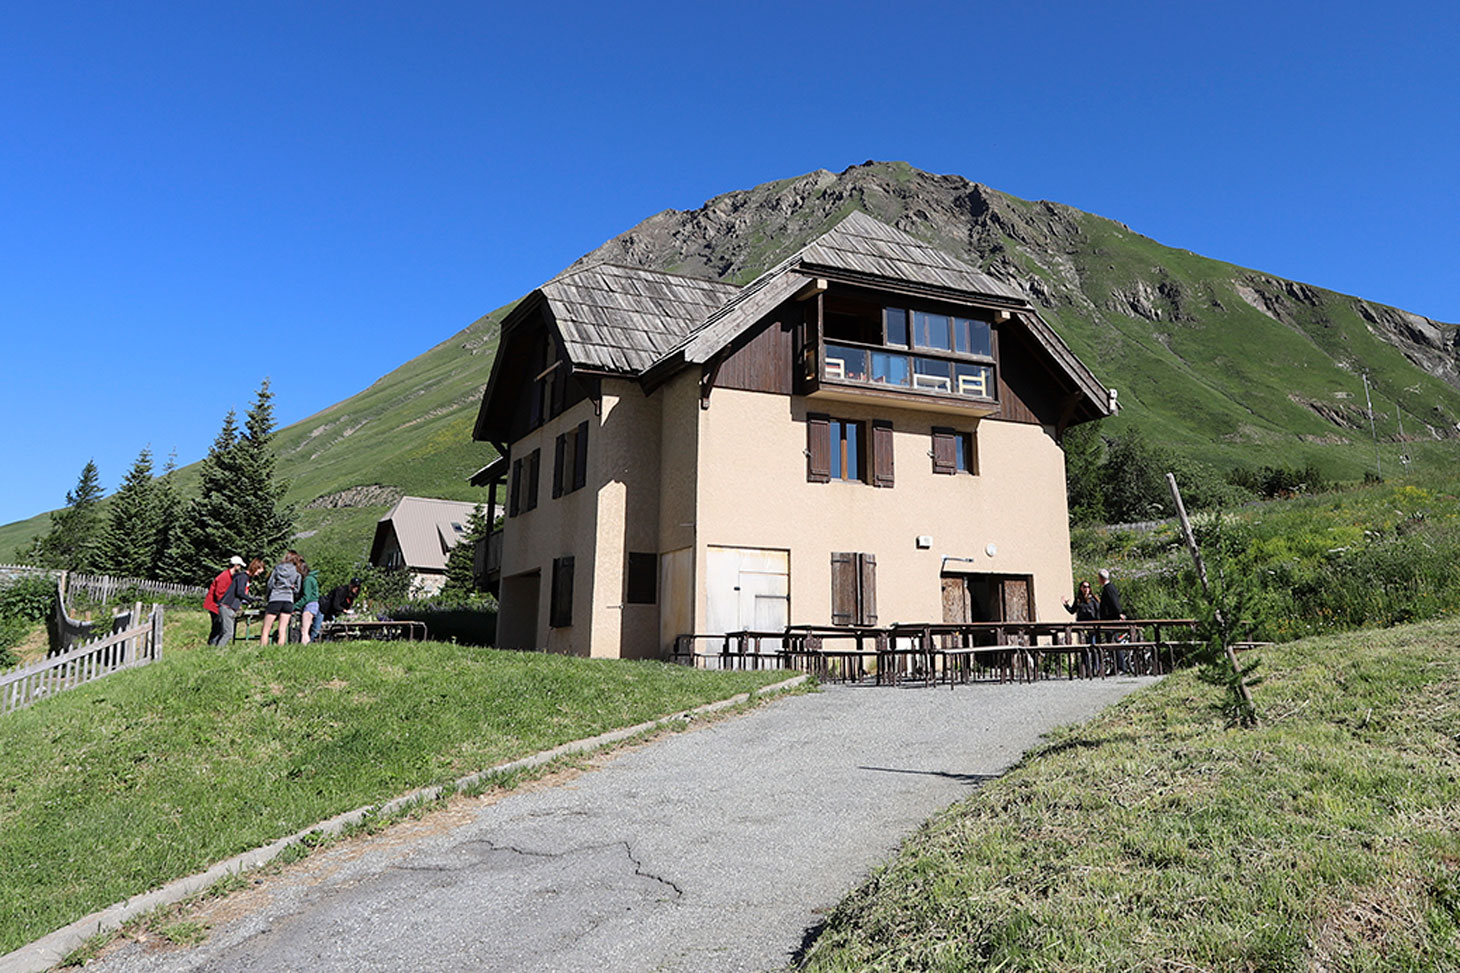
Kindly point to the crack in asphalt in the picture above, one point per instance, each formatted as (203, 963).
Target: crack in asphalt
(492, 847)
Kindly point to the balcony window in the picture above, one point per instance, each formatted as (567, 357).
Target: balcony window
(890, 369)
(920, 351)
(973, 337)
(845, 363)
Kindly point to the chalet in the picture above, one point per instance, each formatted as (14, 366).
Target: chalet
(418, 534)
(868, 433)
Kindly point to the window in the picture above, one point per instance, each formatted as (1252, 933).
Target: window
(954, 451)
(846, 449)
(925, 351)
(853, 589)
(641, 580)
(560, 610)
(570, 462)
(838, 449)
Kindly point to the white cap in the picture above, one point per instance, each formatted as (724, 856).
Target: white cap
(236, 560)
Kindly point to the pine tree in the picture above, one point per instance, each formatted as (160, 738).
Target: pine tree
(460, 573)
(169, 515)
(129, 540)
(205, 536)
(266, 521)
(238, 509)
(74, 541)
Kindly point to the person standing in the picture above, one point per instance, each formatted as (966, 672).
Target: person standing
(308, 603)
(1086, 609)
(284, 586)
(216, 590)
(1112, 611)
(234, 598)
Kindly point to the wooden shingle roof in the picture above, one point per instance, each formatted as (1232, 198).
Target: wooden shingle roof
(867, 246)
(622, 319)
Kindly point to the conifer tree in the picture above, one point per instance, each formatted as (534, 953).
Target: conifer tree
(205, 536)
(460, 573)
(129, 540)
(169, 515)
(238, 509)
(266, 521)
(74, 541)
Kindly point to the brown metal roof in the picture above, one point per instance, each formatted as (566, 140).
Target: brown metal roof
(426, 530)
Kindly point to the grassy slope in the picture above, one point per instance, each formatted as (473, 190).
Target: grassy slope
(119, 786)
(1155, 838)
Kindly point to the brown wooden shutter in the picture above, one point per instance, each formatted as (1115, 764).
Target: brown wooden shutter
(580, 463)
(867, 589)
(818, 448)
(534, 471)
(558, 450)
(882, 452)
(945, 450)
(515, 501)
(843, 588)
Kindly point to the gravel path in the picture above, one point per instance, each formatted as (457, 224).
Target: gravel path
(713, 850)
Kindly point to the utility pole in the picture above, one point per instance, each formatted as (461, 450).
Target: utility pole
(1378, 465)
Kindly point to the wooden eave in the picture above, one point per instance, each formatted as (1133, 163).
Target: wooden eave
(490, 427)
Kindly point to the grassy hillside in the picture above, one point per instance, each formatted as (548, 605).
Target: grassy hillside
(1158, 838)
(1223, 364)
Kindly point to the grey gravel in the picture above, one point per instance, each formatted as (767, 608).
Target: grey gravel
(713, 850)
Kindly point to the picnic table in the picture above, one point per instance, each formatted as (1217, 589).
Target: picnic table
(344, 629)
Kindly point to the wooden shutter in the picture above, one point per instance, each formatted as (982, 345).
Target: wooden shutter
(515, 501)
(867, 589)
(882, 452)
(558, 450)
(818, 448)
(945, 450)
(534, 470)
(843, 588)
(580, 459)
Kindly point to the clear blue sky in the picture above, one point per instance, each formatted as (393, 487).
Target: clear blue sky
(196, 196)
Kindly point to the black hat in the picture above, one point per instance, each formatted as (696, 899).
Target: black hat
(355, 581)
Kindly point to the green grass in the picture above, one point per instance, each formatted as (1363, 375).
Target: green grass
(1370, 555)
(120, 786)
(1157, 838)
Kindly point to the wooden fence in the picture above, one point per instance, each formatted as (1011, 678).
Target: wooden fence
(135, 646)
(99, 587)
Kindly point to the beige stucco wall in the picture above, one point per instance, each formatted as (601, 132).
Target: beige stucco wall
(753, 492)
(555, 528)
(616, 511)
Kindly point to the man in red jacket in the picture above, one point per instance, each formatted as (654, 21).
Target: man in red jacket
(216, 590)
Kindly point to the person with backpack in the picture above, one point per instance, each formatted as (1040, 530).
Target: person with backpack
(284, 586)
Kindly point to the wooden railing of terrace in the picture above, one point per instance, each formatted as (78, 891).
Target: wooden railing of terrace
(135, 646)
(935, 653)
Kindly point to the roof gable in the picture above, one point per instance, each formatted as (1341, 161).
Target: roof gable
(425, 529)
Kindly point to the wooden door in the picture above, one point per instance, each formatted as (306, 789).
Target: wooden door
(1016, 600)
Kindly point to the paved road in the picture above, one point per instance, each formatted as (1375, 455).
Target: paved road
(713, 850)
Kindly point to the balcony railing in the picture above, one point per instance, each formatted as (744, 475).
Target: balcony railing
(896, 369)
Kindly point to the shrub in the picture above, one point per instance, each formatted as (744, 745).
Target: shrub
(30, 598)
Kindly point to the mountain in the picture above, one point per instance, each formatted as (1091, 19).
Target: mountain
(1221, 363)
